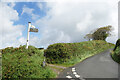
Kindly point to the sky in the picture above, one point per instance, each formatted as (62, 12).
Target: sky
(58, 21)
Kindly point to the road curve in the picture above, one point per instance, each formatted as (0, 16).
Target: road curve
(98, 66)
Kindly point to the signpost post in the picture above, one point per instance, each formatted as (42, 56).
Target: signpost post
(31, 28)
(29, 24)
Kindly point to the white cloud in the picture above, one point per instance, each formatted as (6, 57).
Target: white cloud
(40, 5)
(75, 19)
(9, 31)
(29, 11)
(22, 40)
(66, 21)
(12, 4)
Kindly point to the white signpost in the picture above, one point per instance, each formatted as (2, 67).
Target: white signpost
(31, 28)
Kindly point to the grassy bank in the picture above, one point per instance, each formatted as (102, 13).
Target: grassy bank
(23, 63)
(69, 54)
(116, 55)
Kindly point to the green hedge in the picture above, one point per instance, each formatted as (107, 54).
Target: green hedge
(23, 63)
(116, 55)
(58, 53)
(68, 52)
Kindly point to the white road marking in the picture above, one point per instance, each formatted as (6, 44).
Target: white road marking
(74, 73)
(73, 70)
(77, 76)
(69, 77)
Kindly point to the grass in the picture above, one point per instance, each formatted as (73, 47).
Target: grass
(23, 63)
(81, 51)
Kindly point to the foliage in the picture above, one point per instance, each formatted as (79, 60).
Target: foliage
(24, 63)
(117, 44)
(57, 53)
(100, 33)
(72, 53)
(116, 55)
(116, 52)
(88, 36)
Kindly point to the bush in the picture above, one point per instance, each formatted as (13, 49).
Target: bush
(24, 63)
(116, 55)
(57, 53)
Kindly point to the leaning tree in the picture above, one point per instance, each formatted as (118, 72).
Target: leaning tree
(101, 33)
(88, 36)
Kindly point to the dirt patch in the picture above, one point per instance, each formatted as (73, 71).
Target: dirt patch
(56, 69)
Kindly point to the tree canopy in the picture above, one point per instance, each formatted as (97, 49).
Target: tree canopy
(100, 34)
(88, 36)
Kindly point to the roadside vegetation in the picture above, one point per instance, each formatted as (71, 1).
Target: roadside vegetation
(23, 63)
(116, 52)
(116, 55)
(69, 54)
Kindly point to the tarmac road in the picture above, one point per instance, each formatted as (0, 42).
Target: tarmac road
(98, 66)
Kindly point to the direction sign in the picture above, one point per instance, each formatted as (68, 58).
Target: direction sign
(33, 30)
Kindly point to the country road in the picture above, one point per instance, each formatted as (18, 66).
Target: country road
(99, 66)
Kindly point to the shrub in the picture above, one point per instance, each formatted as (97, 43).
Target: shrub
(116, 55)
(24, 63)
(57, 53)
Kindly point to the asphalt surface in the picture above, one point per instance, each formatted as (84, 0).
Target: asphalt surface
(98, 66)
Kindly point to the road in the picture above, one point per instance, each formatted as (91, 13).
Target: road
(99, 66)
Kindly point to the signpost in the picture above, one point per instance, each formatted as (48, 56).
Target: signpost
(31, 28)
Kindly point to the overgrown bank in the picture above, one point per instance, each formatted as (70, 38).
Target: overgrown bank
(116, 52)
(116, 55)
(69, 54)
(23, 63)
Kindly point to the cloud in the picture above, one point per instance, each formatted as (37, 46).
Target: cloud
(29, 11)
(73, 20)
(40, 5)
(9, 31)
(65, 21)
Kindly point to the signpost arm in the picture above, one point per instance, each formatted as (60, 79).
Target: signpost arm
(29, 24)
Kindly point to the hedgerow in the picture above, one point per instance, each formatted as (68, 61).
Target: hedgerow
(24, 63)
(68, 52)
